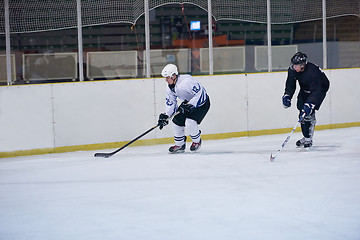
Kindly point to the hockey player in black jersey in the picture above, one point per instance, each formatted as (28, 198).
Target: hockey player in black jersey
(313, 87)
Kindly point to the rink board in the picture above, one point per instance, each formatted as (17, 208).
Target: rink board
(105, 114)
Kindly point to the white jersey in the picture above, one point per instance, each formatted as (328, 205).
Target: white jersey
(186, 88)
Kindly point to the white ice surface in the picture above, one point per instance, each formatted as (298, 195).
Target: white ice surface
(229, 190)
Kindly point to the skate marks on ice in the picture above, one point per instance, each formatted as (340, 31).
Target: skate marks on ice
(318, 148)
(235, 152)
(265, 152)
(187, 153)
(205, 151)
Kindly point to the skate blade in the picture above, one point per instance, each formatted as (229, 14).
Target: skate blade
(177, 152)
(309, 149)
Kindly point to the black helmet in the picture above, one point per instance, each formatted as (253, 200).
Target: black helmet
(299, 58)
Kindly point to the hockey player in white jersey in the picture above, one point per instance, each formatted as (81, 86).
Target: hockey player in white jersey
(192, 110)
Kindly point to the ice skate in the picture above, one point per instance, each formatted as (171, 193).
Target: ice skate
(177, 149)
(300, 142)
(303, 142)
(195, 146)
(308, 144)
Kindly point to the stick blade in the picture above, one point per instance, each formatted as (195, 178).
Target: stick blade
(104, 155)
(272, 158)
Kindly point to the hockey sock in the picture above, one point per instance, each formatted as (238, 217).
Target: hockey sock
(193, 130)
(308, 126)
(179, 135)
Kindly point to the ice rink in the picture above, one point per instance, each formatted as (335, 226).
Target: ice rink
(229, 190)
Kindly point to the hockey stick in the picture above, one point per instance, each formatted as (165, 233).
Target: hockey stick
(272, 157)
(107, 155)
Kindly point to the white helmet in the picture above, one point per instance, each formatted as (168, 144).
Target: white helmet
(169, 70)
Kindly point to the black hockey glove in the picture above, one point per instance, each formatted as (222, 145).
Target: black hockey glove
(286, 101)
(308, 108)
(185, 108)
(163, 120)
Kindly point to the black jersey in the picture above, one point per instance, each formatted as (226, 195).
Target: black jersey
(313, 82)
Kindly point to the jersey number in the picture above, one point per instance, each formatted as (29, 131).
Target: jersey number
(196, 89)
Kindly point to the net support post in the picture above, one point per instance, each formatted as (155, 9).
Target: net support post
(268, 10)
(211, 58)
(7, 42)
(147, 38)
(80, 41)
(324, 34)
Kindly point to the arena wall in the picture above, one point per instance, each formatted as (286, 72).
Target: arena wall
(47, 118)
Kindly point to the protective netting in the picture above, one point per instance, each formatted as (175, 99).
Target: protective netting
(32, 15)
(282, 11)
(44, 15)
(251, 11)
(156, 3)
(289, 12)
(95, 12)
